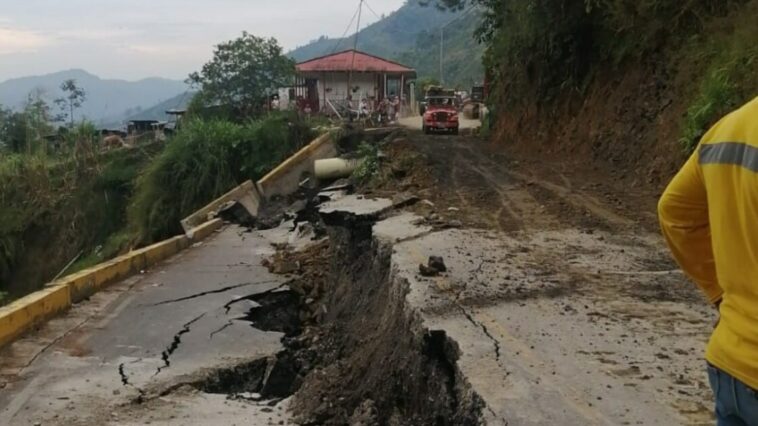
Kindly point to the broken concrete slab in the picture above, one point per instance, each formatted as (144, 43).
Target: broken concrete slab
(341, 184)
(246, 194)
(331, 195)
(404, 199)
(356, 206)
(401, 227)
(285, 178)
(236, 212)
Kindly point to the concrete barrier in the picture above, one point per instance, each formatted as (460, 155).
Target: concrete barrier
(285, 179)
(246, 194)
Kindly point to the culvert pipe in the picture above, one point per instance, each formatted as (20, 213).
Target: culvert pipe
(335, 168)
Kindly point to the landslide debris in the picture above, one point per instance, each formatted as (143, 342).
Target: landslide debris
(376, 362)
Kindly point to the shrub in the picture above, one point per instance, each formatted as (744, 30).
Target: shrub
(729, 80)
(717, 94)
(369, 166)
(26, 193)
(204, 160)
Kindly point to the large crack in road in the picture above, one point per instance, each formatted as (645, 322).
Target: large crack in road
(537, 320)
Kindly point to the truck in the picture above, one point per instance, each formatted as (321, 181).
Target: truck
(440, 111)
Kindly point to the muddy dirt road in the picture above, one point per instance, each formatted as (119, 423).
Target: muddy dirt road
(591, 321)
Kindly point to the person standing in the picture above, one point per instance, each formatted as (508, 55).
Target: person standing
(709, 218)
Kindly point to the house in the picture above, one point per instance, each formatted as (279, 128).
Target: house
(104, 133)
(349, 77)
(139, 127)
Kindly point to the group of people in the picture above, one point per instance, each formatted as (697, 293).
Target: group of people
(385, 111)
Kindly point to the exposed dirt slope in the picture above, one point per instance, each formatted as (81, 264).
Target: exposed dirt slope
(627, 123)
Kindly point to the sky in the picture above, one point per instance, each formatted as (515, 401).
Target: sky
(134, 39)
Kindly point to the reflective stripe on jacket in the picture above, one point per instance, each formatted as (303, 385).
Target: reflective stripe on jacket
(709, 217)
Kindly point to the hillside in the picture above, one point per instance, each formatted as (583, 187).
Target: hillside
(107, 100)
(411, 35)
(629, 90)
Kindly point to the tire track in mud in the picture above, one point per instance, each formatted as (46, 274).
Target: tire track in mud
(505, 212)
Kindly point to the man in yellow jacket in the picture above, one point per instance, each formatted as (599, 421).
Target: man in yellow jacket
(709, 217)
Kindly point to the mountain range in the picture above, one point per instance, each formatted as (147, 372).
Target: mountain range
(410, 35)
(106, 100)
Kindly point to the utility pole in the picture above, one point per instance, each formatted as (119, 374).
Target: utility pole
(442, 49)
(442, 42)
(352, 64)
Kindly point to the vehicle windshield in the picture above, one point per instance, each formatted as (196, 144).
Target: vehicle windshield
(441, 101)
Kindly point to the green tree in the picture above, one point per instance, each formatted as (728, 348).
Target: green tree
(73, 99)
(242, 74)
(6, 120)
(12, 130)
(36, 122)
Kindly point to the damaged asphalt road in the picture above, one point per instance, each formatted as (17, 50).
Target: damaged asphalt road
(144, 336)
(547, 309)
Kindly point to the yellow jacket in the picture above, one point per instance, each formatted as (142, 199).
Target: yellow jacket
(709, 217)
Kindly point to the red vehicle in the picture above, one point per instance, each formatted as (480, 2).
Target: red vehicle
(441, 114)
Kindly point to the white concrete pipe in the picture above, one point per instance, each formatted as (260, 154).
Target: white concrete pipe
(335, 168)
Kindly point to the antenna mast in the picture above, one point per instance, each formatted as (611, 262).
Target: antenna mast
(352, 63)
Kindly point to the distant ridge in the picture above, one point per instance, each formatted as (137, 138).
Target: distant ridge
(107, 99)
(410, 36)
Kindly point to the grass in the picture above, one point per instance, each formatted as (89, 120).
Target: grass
(27, 192)
(717, 95)
(57, 206)
(115, 245)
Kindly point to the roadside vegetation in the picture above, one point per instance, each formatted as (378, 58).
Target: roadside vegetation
(550, 50)
(205, 160)
(58, 205)
(369, 166)
(70, 202)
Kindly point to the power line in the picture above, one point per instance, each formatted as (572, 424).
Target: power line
(372, 10)
(462, 15)
(341, 39)
(355, 47)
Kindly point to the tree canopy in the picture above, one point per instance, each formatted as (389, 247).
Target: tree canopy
(74, 97)
(243, 73)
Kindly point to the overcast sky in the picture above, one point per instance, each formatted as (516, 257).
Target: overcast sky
(133, 39)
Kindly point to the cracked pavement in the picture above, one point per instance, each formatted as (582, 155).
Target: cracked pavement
(529, 350)
(133, 341)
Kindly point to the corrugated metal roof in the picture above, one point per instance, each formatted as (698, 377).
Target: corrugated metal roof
(343, 61)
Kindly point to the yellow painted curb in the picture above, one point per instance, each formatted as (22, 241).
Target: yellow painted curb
(296, 158)
(275, 177)
(202, 232)
(31, 311)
